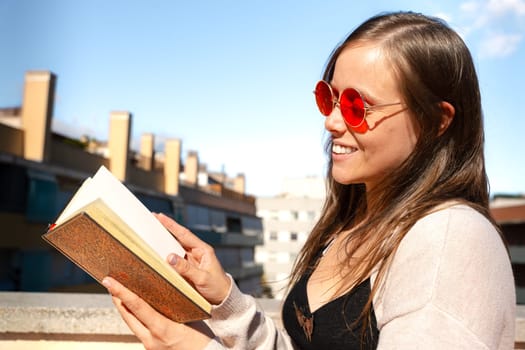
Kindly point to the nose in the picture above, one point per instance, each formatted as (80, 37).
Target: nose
(334, 123)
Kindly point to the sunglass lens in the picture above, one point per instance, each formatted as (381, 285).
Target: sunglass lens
(323, 98)
(352, 107)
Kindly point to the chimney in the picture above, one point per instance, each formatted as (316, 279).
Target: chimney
(172, 166)
(239, 183)
(37, 111)
(147, 152)
(191, 168)
(118, 144)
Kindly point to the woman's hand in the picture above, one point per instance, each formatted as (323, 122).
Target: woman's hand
(153, 329)
(201, 266)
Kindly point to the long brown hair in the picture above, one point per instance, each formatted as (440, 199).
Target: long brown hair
(432, 64)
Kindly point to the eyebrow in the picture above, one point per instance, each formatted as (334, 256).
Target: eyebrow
(367, 95)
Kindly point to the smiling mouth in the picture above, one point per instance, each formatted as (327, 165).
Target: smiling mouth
(338, 149)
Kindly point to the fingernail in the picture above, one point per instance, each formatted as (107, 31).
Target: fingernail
(106, 283)
(172, 259)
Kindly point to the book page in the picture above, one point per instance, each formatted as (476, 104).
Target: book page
(122, 201)
(82, 195)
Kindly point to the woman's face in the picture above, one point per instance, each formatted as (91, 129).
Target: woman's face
(391, 136)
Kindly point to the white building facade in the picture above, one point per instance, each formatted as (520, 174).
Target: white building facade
(287, 221)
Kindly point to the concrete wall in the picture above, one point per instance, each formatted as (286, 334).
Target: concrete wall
(73, 157)
(11, 140)
(55, 321)
(153, 180)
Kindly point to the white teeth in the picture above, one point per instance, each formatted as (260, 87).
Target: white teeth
(338, 149)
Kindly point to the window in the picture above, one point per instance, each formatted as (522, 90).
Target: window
(273, 236)
(233, 225)
(311, 215)
(293, 236)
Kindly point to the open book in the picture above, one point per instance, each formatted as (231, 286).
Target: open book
(107, 231)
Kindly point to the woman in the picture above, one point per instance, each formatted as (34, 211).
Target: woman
(405, 255)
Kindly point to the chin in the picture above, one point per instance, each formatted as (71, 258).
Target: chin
(345, 180)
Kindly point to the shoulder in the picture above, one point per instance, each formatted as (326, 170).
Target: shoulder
(457, 232)
(459, 217)
(452, 260)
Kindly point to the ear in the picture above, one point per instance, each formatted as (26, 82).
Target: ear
(447, 115)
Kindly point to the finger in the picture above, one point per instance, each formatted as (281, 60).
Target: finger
(182, 234)
(133, 304)
(133, 323)
(213, 284)
(186, 269)
(195, 256)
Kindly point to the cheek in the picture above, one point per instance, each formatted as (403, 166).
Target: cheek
(391, 147)
(398, 154)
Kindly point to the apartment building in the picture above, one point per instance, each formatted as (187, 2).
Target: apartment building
(40, 170)
(287, 221)
(509, 213)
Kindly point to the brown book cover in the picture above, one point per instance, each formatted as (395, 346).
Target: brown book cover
(92, 248)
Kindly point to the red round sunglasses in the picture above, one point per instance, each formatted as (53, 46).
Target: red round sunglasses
(351, 103)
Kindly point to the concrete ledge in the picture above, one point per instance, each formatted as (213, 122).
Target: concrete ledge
(59, 321)
(520, 326)
(60, 318)
(60, 315)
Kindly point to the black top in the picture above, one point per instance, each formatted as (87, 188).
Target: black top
(329, 327)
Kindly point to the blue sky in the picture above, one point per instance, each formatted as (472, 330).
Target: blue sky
(233, 79)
